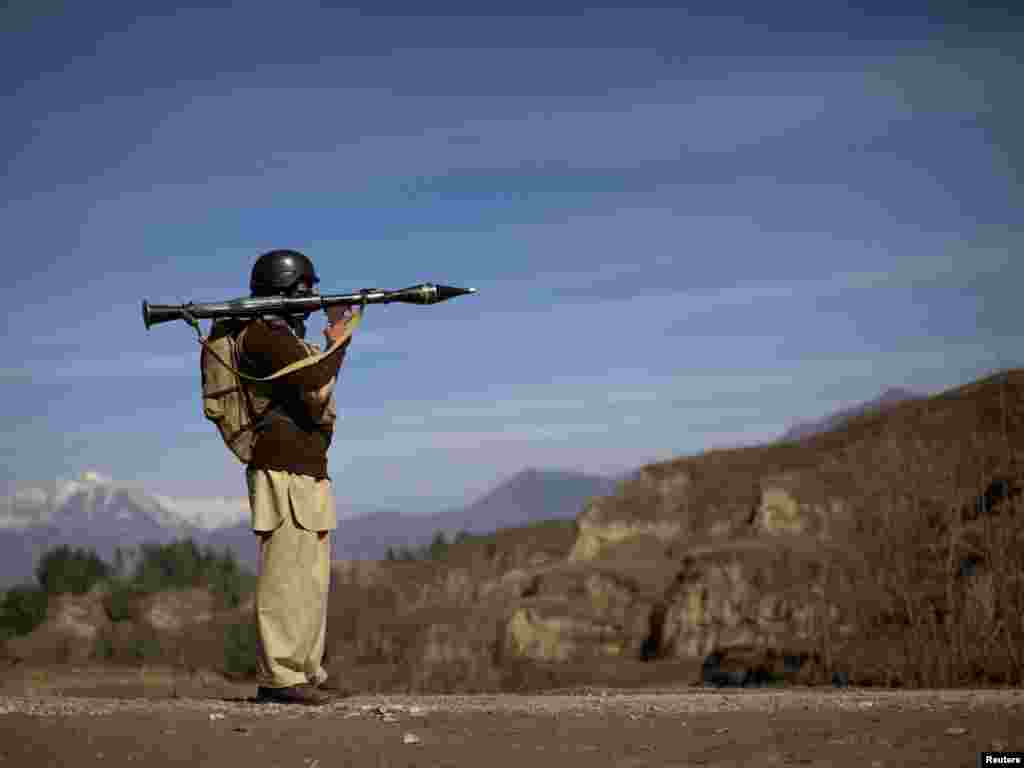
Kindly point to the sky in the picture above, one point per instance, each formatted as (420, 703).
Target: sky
(690, 227)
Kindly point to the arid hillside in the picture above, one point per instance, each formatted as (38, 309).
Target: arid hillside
(885, 552)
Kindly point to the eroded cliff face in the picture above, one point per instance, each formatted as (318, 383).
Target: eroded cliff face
(573, 613)
(737, 559)
(736, 554)
(597, 535)
(748, 594)
(675, 503)
(658, 507)
(749, 553)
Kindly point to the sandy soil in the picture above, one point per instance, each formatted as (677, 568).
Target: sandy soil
(689, 727)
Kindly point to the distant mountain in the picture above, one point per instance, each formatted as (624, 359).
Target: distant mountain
(890, 397)
(529, 496)
(94, 501)
(95, 512)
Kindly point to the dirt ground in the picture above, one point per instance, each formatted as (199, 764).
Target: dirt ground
(80, 722)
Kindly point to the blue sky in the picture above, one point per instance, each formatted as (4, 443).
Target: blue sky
(689, 227)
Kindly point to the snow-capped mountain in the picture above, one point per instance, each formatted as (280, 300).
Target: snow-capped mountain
(93, 500)
(94, 511)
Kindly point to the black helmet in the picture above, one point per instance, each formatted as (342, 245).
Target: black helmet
(282, 272)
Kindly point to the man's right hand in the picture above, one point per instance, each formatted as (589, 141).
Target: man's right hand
(339, 319)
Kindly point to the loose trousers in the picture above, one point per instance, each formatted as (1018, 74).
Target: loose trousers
(292, 515)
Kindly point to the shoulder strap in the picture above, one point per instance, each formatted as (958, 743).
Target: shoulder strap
(236, 349)
(291, 368)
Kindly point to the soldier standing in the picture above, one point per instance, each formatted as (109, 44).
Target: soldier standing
(290, 492)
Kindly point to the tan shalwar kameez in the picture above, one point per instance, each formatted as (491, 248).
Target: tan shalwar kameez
(292, 514)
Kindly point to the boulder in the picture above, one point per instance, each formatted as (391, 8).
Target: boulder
(574, 611)
(79, 616)
(799, 502)
(553, 631)
(747, 594)
(69, 632)
(173, 611)
(598, 530)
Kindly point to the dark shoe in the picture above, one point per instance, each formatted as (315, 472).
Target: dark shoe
(333, 687)
(293, 694)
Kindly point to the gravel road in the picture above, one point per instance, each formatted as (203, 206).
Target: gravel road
(698, 727)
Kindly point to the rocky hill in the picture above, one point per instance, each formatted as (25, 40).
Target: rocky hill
(886, 551)
(888, 398)
(882, 551)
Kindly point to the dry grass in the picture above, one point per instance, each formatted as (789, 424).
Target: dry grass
(910, 479)
(918, 477)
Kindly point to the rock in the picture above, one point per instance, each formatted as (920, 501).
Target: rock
(779, 513)
(722, 528)
(172, 611)
(657, 505)
(594, 538)
(576, 613)
(512, 584)
(798, 502)
(80, 616)
(534, 637)
(740, 594)
(68, 634)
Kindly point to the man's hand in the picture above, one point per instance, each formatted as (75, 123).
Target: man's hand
(338, 320)
(318, 400)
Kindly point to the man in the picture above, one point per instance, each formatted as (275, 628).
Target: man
(290, 491)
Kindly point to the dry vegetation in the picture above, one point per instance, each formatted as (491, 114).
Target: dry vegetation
(910, 573)
(935, 521)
